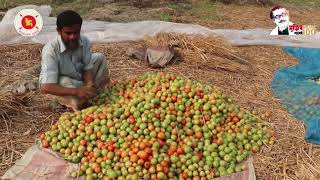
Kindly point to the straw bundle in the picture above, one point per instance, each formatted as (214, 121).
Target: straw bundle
(203, 51)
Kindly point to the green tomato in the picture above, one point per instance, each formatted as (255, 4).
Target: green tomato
(248, 146)
(227, 158)
(111, 174)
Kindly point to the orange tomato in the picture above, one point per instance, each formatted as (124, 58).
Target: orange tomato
(99, 145)
(116, 167)
(45, 143)
(110, 143)
(159, 168)
(170, 152)
(86, 153)
(97, 169)
(140, 162)
(124, 154)
(189, 132)
(235, 119)
(42, 136)
(219, 141)
(102, 116)
(206, 117)
(219, 129)
(118, 152)
(148, 150)
(153, 176)
(166, 170)
(198, 135)
(134, 158)
(161, 135)
(135, 150)
(179, 151)
(142, 145)
(167, 85)
(105, 158)
(173, 148)
(143, 155)
(173, 98)
(99, 159)
(184, 175)
(83, 142)
(164, 163)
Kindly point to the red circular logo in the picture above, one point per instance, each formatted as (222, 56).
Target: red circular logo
(28, 22)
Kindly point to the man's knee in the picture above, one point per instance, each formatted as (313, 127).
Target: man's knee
(99, 64)
(69, 82)
(64, 81)
(98, 57)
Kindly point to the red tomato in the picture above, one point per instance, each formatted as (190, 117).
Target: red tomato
(88, 119)
(200, 155)
(111, 148)
(162, 143)
(45, 143)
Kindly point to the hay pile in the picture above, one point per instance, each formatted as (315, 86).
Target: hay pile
(243, 73)
(203, 52)
(22, 117)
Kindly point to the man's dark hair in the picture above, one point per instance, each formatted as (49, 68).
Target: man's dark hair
(275, 8)
(68, 18)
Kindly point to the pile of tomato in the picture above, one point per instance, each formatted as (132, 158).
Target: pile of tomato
(158, 126)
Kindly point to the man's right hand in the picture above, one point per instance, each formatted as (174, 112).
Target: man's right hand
(84, 92)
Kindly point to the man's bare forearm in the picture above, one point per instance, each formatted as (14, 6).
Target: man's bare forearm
(88, 78)
(58, 90)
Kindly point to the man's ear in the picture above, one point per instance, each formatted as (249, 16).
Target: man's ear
(272, 19)
(59, 31)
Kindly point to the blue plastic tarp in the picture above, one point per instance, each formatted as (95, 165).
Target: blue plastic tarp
(298, 93)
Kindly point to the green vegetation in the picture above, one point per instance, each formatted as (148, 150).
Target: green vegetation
(165, 17)
(7, 4)
(300, 3)
(182, 11)
(204, 10)
(200, 10)
(81, 6)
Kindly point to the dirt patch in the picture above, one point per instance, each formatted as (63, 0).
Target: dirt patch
(213, 15)
(113, 13)
(251, 16)
(258, 17)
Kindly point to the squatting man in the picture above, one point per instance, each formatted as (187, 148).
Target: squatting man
(69, 71)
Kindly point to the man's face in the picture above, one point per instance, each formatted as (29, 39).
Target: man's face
(281, 18)
(70, 36)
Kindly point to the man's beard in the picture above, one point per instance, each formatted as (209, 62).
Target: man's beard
(72, 45)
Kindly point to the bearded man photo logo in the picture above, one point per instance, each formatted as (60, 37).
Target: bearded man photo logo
(280, 16)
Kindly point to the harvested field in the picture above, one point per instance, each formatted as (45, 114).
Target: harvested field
(244, 73)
